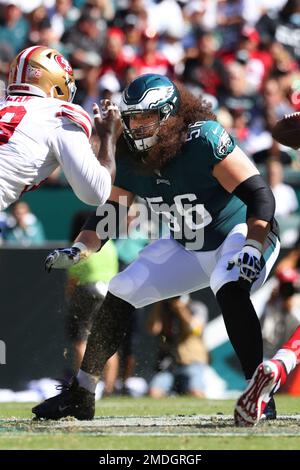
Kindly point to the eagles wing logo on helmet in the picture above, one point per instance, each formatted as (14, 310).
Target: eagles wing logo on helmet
(166, 93)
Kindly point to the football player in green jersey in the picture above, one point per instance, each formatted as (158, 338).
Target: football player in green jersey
(220, 212)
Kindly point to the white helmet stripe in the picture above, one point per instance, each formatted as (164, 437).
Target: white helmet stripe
(22, 61)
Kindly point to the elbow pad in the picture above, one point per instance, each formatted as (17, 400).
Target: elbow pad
(258, 197)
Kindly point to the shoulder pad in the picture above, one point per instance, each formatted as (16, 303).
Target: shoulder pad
(218, 139)
(218, 143)
(209, 128)
(78, 116)
(199, 129)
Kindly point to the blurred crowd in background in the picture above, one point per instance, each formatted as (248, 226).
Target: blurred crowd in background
(243, 57)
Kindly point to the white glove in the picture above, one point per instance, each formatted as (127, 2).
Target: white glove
(248, 260)
(63, 258)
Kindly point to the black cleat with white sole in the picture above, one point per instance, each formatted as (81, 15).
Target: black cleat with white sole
(72, 401)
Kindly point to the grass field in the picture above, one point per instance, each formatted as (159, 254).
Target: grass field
(172, 423)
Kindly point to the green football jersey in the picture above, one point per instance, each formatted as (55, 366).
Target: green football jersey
(199, 211)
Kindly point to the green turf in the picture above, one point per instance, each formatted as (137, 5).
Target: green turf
(63, 442)
(55, 439)
(123, 406)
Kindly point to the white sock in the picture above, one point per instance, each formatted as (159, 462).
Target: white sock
(87, 381)
(288, 358)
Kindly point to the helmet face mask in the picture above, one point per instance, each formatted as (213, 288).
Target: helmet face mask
(152, 97)
(42, 71)
(72, 89)
(142, 128)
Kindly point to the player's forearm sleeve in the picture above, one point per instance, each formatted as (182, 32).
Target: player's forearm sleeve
(258, 197)
(90, 181)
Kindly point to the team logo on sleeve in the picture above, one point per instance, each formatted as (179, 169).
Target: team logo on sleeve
(224, 143)
(64, 64)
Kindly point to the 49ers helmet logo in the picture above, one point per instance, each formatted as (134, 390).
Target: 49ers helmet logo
(64, 63)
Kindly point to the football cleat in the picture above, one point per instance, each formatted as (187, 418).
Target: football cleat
(72, 401)
(270, 410)
(253, 403)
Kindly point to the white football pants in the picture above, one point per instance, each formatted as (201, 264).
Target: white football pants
(166, 269)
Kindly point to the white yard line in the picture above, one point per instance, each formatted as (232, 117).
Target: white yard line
(145, 421)
(154, 426)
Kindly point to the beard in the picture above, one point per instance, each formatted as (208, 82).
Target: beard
(171, 137)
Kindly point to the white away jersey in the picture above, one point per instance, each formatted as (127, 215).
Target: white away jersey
(38, 134)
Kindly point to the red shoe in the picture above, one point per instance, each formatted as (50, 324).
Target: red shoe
(253, 401)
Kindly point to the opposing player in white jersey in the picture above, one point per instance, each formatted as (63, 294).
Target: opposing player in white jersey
(40, 129)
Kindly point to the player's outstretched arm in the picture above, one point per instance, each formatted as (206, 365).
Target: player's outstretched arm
(89, 239)
(109, 127)
(90, 176)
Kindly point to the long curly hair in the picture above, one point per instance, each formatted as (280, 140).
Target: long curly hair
(173, 132)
